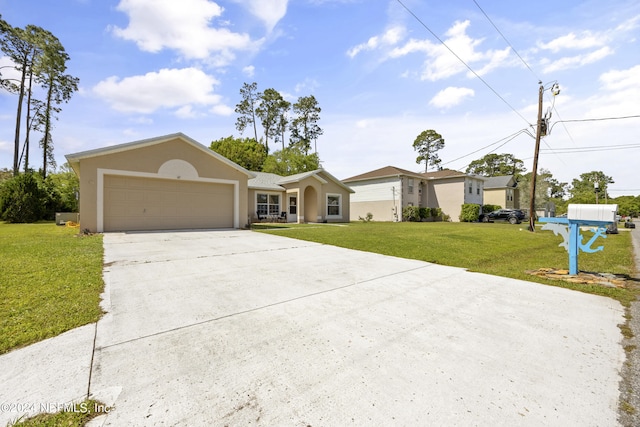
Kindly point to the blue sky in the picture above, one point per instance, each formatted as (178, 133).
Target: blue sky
(153, 67)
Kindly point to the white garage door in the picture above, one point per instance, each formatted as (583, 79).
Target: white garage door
(132, 203)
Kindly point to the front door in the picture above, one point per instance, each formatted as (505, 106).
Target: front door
(292, 210)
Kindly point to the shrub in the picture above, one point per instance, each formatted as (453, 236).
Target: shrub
(367, 218)
(490, 208)
(470, 212)
(424, 213)
(61, 191)
(438, 213)
(411, 213)
(23, 198)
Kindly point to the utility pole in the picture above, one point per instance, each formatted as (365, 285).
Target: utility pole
(534, 172)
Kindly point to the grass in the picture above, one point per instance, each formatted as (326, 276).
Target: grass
(50, 282)
(76, 416)
(497, 248)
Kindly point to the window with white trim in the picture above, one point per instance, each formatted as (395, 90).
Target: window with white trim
(410, 185)
(334, 205)
(267, 204)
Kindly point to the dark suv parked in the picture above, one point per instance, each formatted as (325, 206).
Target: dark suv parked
(514, 216)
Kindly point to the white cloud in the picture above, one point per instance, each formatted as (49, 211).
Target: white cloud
(451, 97)
(412, 46)
(628, 25)
(186, 112)
(270, 12)
(222, 110)
(617, 96)
(142, 120)
(571, 41)
(621, 79)
(496, 58)
(578, 60)
(8, 70)
(440, 63)
(167, 88)
(249, 70)
(6, 146)
(363, 124)
(183, 26)
(308, 85)
(389, 38)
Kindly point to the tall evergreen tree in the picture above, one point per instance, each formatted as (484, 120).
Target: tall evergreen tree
(283, 121)
(246, 108)
(270, 111)
(19, 46)
(427, 144)
(59, 88)
(39, 58)
(304, 126)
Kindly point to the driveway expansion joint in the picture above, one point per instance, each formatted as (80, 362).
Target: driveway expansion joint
(255, 309)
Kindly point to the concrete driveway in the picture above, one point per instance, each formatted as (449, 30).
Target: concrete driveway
(242, 328)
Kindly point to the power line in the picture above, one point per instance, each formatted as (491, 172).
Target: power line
(594, 120)
(561, 121)
(507, 138)
(565, 150)
(460, 59)
(505, 39)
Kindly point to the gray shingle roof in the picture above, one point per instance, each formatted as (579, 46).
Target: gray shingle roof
(499, 182)
(265, 181)
(383, 173)
(271, 181)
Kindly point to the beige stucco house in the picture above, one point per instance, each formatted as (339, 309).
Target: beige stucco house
(173, 182)
(502, 191)
(386, 191)
(315, 196)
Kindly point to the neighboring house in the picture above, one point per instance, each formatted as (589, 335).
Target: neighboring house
(174, 182)
(315, 196)
(386, 191)
(502, 191)
(449, 189)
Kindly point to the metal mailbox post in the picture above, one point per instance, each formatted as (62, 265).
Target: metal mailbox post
(596, 216)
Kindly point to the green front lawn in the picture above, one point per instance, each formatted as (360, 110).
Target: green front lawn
(497, 248)
(50, 282)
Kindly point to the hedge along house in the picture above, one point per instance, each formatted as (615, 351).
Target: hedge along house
(168, 182)
(315, 196)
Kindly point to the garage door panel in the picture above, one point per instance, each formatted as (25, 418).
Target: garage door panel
(132, 203)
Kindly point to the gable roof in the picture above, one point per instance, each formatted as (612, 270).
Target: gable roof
(336, 180)
(265, 181)
(274, 182)
(392, 171)
(504, 181)
(303, 175)
(387, 171)
(74, 159)
(444, 173)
